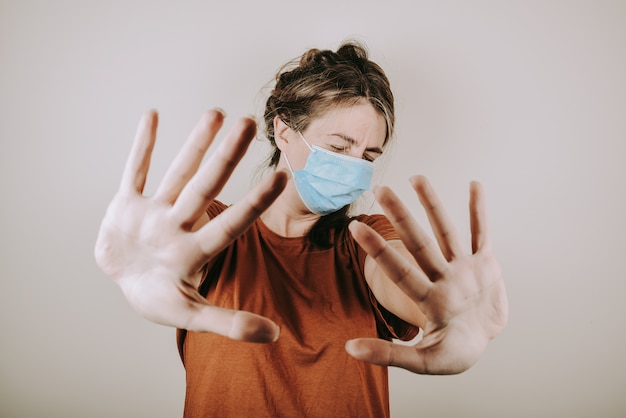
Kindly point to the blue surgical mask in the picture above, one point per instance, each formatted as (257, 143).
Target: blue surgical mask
(330, 181)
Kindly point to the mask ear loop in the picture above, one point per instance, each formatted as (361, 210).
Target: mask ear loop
(285, 154)
(308, 146)
(288, 164)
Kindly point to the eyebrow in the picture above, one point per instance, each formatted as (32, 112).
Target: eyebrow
(353, 141)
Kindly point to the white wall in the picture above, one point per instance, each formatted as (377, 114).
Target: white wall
(527, 96)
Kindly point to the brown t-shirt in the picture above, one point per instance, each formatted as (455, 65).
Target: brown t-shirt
(320, 300)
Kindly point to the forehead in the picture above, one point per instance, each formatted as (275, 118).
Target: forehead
(360, 121)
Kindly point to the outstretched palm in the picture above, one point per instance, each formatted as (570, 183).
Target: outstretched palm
(154, 247)
(462, 295)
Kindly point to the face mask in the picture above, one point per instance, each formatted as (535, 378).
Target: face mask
(330, 181)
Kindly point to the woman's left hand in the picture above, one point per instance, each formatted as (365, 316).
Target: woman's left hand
(462, 295)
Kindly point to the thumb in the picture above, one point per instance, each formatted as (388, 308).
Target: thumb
(238, 325)
(371, 350)
(386, 353)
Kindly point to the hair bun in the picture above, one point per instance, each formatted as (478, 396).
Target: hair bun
(347, 52)
(352, 51)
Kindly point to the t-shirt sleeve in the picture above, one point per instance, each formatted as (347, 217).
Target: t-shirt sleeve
(389, 325)
(215, 208)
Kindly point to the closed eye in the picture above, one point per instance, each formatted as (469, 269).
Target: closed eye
(338, 149)
(344, 150)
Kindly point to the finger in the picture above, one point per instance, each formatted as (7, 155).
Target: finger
(190, 156)
(478, 218)
(410, 279)
(444, 230)
(231, 223)
(386, 353)
(429, 359)
(415, 239)
(180, 305)
(211, 177)
(138, 163)
(238, 325)
(200, 316)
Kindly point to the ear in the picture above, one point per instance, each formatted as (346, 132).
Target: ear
(281, 133)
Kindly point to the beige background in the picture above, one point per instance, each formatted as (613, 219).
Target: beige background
(527, 96)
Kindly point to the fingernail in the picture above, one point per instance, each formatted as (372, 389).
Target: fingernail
(253, 117)
(287, 172)
(220, 110)
(150, 117)
(349, 347)
(277, 334)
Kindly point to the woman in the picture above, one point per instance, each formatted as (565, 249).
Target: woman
(288, 268)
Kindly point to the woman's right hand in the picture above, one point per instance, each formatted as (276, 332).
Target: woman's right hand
(152, 246)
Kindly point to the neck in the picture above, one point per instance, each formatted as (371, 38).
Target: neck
(288, 216)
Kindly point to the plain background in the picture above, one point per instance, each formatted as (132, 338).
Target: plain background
(528, 97)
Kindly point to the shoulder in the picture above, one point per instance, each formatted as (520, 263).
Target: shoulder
(215, 208)
(379, 223)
